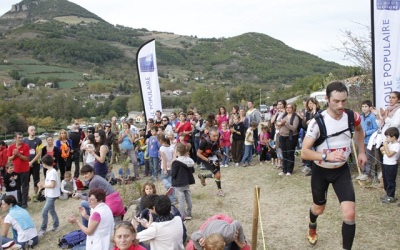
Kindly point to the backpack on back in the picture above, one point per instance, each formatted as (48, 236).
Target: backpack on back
(299, 126)
(71, 239)
(65, 150)
(323, 135)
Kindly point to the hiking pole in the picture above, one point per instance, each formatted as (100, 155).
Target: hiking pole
(356, 157)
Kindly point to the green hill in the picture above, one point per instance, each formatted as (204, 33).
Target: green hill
(49, 31)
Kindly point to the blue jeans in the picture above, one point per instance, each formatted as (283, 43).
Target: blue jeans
(196, 147)
(225, 156)
(80, 246)
(248, 154)
(167, 181)
(31, 243)
(49, 208)
(85, 205)
(154, 166)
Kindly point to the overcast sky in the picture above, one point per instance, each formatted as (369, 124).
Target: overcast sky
(313, 26)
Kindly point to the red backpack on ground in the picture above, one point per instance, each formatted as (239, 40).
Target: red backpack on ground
(79, 184)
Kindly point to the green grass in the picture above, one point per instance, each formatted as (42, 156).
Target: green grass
(67, 84)
(7, 67)
(24, 61)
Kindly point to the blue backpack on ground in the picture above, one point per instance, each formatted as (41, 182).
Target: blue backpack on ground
(71, 239)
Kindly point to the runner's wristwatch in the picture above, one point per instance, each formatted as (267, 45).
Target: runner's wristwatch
(324, 155)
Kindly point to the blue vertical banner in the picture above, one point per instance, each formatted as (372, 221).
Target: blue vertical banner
(146, 64)
(386, 49)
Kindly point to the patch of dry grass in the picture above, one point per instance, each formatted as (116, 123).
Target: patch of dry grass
(284, 205)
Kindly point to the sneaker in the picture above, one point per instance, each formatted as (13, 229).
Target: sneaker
(389, 200)
(243, 165)
(226, 165)
(202, 179)
(281, 173)
(308, 174)
(306, 169)
(220, 192)
(364, 177)
(383, 197)
(55, 229)
(169, 191)
(236, 164)
(203, 167)
(187, 218)
(8, 244)
(312, 236)
(41, 233)
(288, 174)
(34, 198)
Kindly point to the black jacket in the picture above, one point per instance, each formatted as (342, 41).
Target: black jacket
(181, 174)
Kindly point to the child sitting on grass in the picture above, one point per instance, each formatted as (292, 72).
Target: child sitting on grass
(124, 176)
(110, 176)
(68, 186)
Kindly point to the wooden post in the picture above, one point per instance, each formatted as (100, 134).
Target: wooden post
(255, 218)
(361, 183)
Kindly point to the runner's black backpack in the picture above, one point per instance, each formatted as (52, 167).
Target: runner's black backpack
(322, 128)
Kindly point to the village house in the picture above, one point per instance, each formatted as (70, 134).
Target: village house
(177, 92)
(7, 84)
(31, 86)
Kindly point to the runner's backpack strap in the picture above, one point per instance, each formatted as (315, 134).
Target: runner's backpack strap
(322, 128)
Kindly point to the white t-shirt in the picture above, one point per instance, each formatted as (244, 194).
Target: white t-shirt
(341, 142)
(169, 154)
(51, 175)
(89, 157)
(393, 159)
(249, 130)
(23, 235)
(165, 235)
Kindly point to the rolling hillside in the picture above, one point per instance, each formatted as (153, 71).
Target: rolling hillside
(51, 32)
